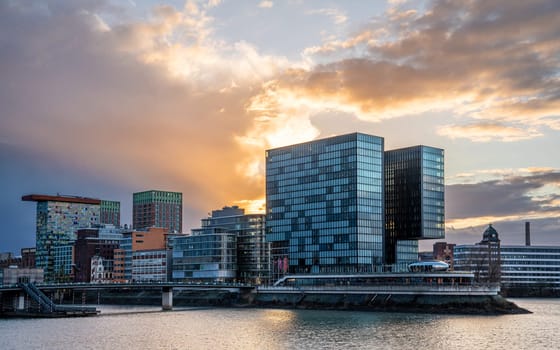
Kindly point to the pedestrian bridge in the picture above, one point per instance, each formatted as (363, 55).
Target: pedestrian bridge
(32, 298)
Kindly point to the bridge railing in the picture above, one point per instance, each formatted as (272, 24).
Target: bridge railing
(47, 305)
(44, 302)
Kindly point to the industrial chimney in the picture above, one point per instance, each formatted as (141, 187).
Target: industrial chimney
(527, 233)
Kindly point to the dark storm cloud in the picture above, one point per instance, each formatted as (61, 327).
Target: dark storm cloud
(505, 197)
(543, 232)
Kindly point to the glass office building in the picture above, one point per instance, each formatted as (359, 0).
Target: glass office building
(325, 205)
(205, 257)
(414, 200)
(208, 252)
(58, 217)
(253, 251)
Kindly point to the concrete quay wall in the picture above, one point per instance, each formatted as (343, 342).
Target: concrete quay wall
(458, 304)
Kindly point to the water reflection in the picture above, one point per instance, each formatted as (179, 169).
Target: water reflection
(198, 328)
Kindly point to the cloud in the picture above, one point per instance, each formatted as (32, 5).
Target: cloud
(529, 194)
(486, 132)
(266, 4)
(214, 3)
(162, 102)
(543, 232)
(155, 103)
(505, 198)
(495, 174)
(491, 62)
(336, 15)
(349, 43)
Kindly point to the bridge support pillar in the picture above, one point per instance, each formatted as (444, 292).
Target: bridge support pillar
(167, 298)
(20, 301)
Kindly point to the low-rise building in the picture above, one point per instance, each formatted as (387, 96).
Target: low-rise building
(13, 275)
(530, 266)
(443, 251)
(28, 257)
(151, 265)
(523, 269)
(99, 243)
(229, 246)
(8, 259)
(153, 238)
(205, 257)
(101, 270)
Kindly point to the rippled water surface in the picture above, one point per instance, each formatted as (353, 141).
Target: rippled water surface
(201, 328)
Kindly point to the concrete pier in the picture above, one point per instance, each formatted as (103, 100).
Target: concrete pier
(167, 298)
(20, 302)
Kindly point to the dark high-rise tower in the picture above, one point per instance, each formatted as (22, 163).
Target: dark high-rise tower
(414, 197)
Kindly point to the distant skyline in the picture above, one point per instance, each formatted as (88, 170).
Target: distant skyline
(104, 98)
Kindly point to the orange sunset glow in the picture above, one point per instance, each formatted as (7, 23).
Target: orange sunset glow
(106, 99)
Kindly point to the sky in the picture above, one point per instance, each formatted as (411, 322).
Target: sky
(103, 98)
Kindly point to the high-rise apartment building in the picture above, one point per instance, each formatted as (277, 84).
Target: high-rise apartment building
(325, 205)
(344, 205)
(158, 209)
(58, 217)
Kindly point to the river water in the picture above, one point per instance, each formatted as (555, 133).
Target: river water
(223, 328)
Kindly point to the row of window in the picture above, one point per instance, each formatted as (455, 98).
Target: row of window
(342, 177)
(429, 164)
(314, 215)
(324, 249)
(299, 203)
(291, 198)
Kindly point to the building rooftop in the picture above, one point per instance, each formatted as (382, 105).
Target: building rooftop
(490, 235)
(60, 198)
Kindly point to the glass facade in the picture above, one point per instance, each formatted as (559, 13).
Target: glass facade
(63, 256)
(252, 251)
(406, 252)
(530, 265)
(414, 197)
(56, 226)
(150, 265)
(205, 257)
(126, 247)
(325, 205)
